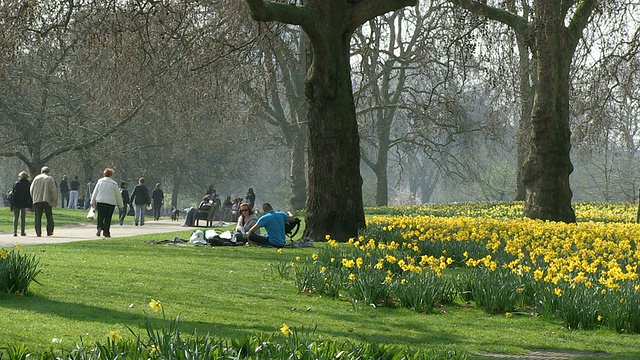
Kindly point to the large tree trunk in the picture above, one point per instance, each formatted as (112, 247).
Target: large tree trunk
(334, 201)
(177, 183)
(298, 174)
(548, 164)
(523, 140)
(382, 178)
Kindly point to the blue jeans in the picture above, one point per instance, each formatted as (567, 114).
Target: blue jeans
(73, 199)
(140, 209)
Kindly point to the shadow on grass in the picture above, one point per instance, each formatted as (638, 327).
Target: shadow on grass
(216, 325)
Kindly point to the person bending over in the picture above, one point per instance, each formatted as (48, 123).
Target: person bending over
(273, 223)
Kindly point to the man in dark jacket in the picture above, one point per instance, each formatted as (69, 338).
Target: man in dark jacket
(125, 199)
(21, 202)
(140, 199)
(64, 192)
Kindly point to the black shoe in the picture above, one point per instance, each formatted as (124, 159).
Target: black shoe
(23, 234)
(136, 224)
(50, 234)
(38, 235)
(107, 235)
(98, 232)
(15, 234)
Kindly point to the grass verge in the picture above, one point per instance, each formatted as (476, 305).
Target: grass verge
(92, 288)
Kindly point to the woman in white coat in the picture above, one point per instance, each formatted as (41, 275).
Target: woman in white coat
(106, 196)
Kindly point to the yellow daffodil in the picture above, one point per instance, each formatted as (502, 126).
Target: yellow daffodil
(18, 245)
(352, 277)
(508, 314)
(114, 336)
(314, 257)
(155, 305)
(4, 254)
(280, 251)
(286, 330)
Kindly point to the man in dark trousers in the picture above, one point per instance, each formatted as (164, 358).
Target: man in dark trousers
(44, 193)
(140, 198)
(64, 192)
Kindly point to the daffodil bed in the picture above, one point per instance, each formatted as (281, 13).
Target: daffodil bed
(452, 260)
(585, 274)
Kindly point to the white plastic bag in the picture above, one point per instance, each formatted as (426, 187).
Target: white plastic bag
(90, 214)
(226, 235)
(210, 234)
(198, 237)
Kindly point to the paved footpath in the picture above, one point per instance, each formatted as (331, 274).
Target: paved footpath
(64, 234)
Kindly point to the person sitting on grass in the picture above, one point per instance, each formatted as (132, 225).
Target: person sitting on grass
(273, 222)
(246, 220)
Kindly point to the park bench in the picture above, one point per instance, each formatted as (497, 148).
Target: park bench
(207, 215)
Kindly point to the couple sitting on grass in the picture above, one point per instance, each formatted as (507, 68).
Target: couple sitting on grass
(248, 228)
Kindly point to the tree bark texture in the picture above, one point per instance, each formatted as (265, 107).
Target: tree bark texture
(547, 165)
(334, 193)
(298, 177)
(526, 75)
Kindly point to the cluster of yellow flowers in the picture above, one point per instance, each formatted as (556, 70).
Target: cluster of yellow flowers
(553, 252)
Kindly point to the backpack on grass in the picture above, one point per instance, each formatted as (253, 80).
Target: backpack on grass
(291, 228)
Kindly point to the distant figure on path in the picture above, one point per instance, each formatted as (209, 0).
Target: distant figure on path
(158, 200)
(64, 192)
(105, 197)
(21, 202)
(140, 198)
(74, 193)
(125, 199)
(44, 193)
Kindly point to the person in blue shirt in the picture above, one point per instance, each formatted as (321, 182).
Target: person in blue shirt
(273, 223)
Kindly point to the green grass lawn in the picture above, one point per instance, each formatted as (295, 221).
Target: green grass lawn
(61, 217)
(94, 287)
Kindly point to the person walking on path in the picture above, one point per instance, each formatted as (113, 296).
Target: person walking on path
(140, 198)
(21, 202)
(44, 193)
(64, 192)
(124, 193)
(74, 192)
(158, 200)
(105, 197)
